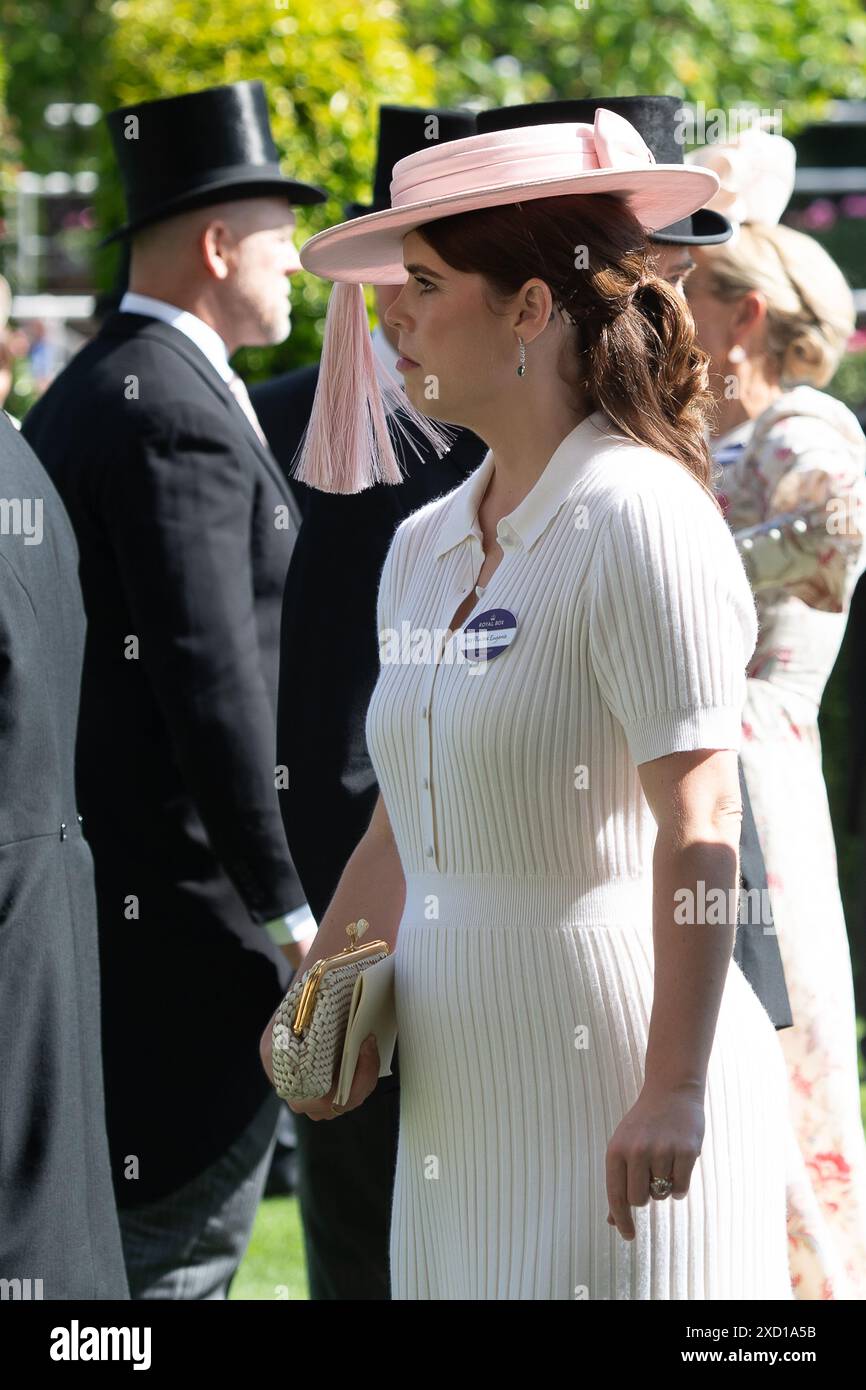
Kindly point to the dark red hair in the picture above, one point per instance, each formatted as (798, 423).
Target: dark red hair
(638, 357)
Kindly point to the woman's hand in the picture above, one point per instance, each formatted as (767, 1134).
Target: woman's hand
(322, 1107)
(660, 1137)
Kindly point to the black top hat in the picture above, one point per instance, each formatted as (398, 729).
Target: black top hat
(404, 130)
(655, 120)
(185, 152)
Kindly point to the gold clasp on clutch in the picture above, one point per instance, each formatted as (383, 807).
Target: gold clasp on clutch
(349, 954)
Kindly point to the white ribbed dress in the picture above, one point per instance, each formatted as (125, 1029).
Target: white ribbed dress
(524, 960)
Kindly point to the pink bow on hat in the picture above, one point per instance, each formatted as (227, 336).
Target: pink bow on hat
(617, 144)
(525, 156)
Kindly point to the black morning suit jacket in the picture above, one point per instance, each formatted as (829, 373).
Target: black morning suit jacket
(58, 1222)
(185, 527)
(329, 620)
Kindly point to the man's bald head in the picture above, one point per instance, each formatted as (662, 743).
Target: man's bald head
(228, 263)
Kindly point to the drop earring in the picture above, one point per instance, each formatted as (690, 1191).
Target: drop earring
(737, 353)
(521, 367)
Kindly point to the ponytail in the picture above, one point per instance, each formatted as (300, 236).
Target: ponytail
(636, 339)
(645, 370)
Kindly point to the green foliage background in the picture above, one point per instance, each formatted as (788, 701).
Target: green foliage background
(54, 51)
(327, 64)
(721, 52)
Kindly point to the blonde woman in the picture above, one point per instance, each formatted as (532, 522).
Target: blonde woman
(774, 313)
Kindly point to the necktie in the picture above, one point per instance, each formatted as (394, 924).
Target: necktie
(239, 391)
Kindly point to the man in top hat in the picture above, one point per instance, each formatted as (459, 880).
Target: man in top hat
(345, 1171)
(656, 118)
(185, 525)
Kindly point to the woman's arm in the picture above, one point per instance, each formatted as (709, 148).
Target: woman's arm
(695, 799)
(805, 465)
(372, 885)
(672, 625)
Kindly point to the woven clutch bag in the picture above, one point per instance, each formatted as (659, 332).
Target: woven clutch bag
(310, 1025)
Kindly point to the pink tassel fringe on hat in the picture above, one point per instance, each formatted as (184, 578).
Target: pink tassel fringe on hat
(347, 445)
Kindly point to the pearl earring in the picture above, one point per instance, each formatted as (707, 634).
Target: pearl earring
(737, 353)
(521, 369)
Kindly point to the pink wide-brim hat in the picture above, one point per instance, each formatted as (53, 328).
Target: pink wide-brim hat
(347, 445)
(508, 166)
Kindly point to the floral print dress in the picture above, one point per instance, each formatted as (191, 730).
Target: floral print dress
(805, 455)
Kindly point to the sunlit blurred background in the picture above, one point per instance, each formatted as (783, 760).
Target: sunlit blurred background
(327, 65)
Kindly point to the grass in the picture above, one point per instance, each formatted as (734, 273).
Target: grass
(274, 1265)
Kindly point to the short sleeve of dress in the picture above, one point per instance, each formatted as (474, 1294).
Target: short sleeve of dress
(672, 619)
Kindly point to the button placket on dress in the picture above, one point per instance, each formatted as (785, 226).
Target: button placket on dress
(473, 560)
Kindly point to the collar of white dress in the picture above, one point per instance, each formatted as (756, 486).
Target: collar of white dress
(532, 516)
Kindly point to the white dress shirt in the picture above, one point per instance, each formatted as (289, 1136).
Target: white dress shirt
(211, 343)
(205, 338)
(199, 332)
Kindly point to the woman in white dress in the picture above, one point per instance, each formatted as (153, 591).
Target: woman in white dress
(592, 1096)
(774, 312)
